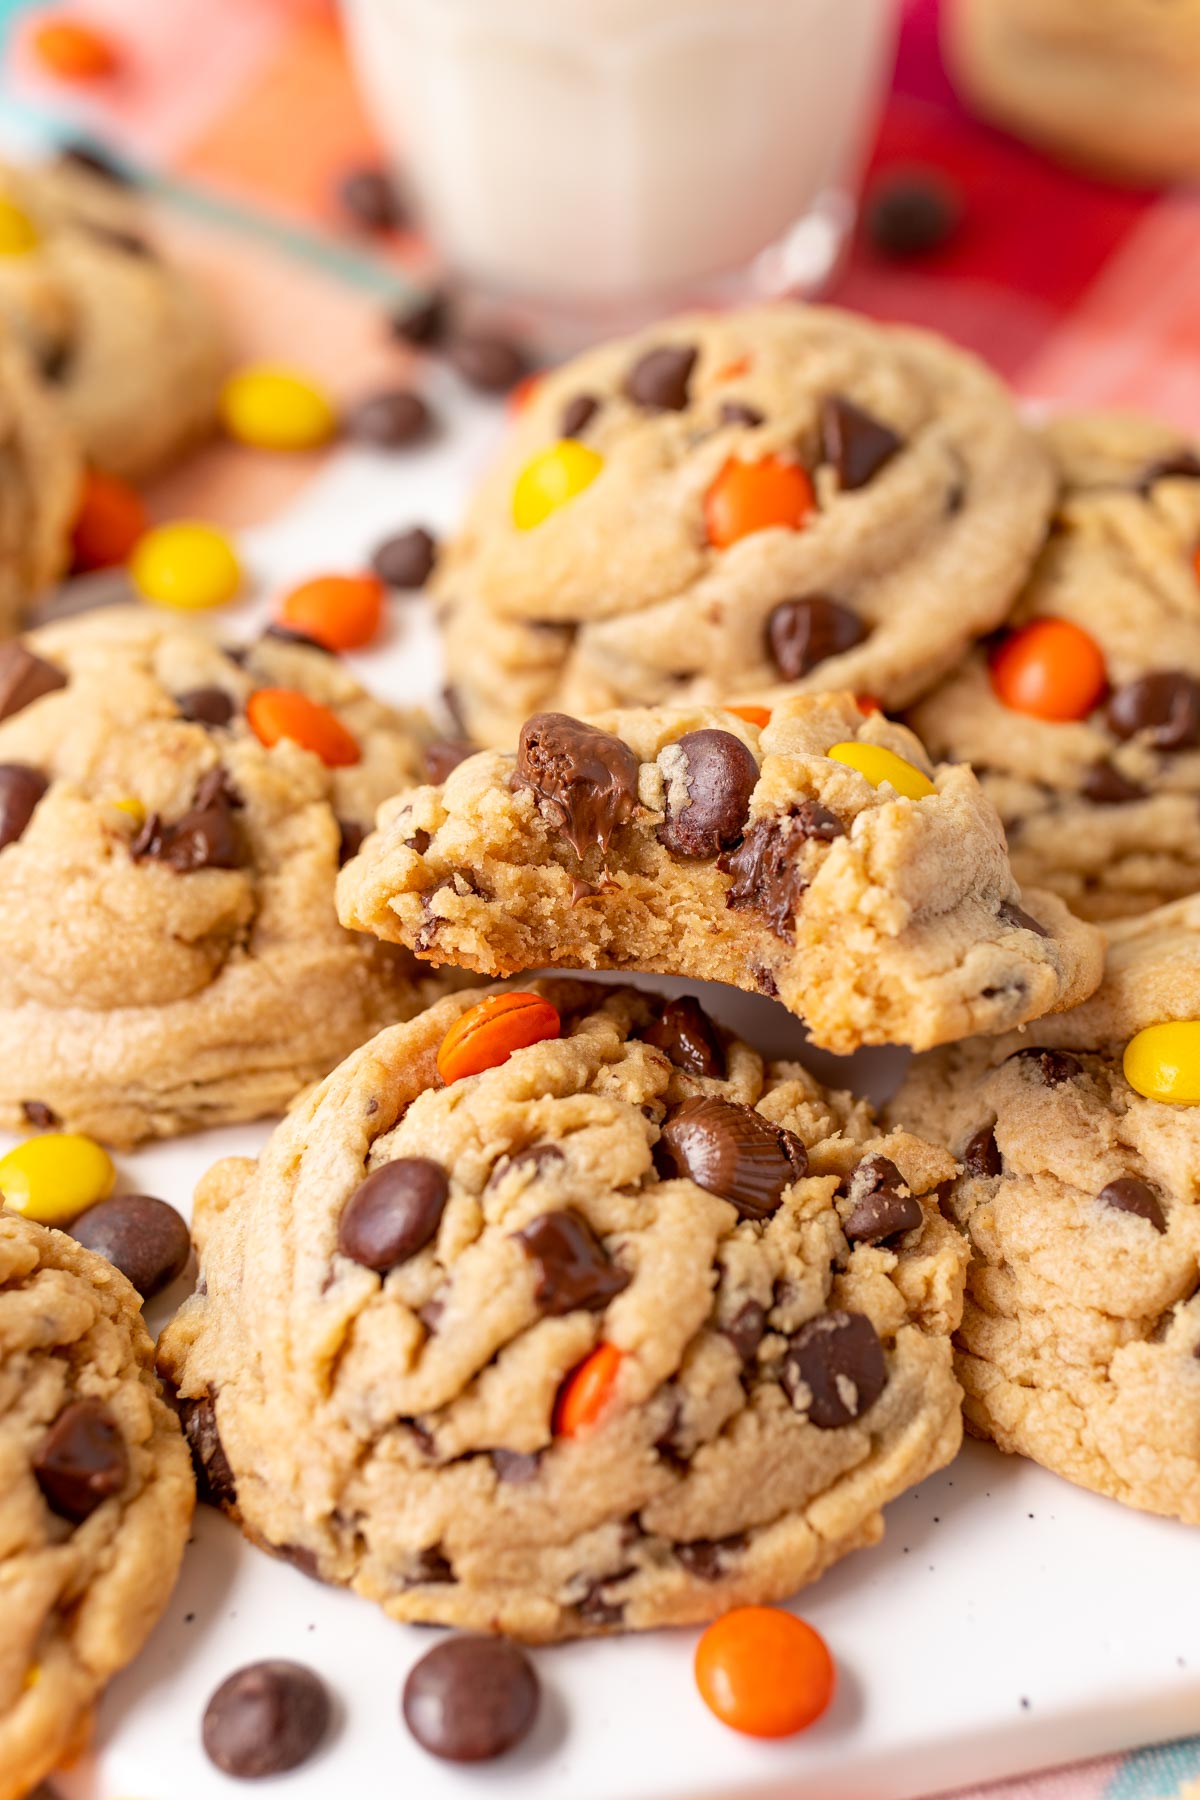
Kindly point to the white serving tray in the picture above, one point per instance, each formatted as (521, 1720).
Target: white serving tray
(1007, 1622)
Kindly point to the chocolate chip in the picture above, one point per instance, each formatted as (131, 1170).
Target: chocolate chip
(731, 1150)
(471, 1698)
(855, 442)
(291, 634)
(721, 774)
(575, 1270)
(1052, 1067)
(910, 214)
(205, 706)
(95, 159)
(878, 1210)
(586, 778)
(215, 1483)
(265, 1719)
(661, 379)
(747, 1329)
(1181, 465)
(803, 633)
(597, 1609)
(145, 1238)
(737, 412)
(389, 420)
(1104, 785)
(393, 1213)
(577, 415)
(406, 560)
(834, 1369)
(20, 790)
(766, 875)
(421, 321)
(205, 837)
(430, 1567)
(446, 754)
(1129, 1195)
(350, 840)
(516, 1466)
(419, 841)
(486, 361)
(369, 196)
(82, 1460)
(1164, 708)
(708, 1559)
(981, 1157)
(39, 1115)
(536, 1157)
(300, 1557)
(688, 1036)
(1016, 916)
(24, 678)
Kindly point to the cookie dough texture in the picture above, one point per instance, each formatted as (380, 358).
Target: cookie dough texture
(77, 1600)
(619, 599)
(396, 1434)
(127, 340)
(1080, 1341)
(876, 918)
(1108, 815)
(39, 484)
(169, 952)
(1114, 84)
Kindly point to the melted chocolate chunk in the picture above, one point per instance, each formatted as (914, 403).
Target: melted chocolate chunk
(721, 776)
(393, 1213)
(1129, 1195)
(981, 1157)
(738, 412)
(20, 790)
(586, 778)
(430, 1567)
(688, 1036)
(1052, 1067)
(708, 1559)
(1163, 708)
(516, 1466)
(419, 841)
(265, 1719)
(205, 837)
(536, 1157)
(470, 1699)
(803, 633)
(731, 1150)
(747, 1329)
(661, 379)
(82, 1460)
(1104, 785)
(24, 678)
(834, 1369)
(145, 1238)
(444, 755)
(878, 1210)
(766, 875)
(577, 415)
(1016, 916)
(205, 706)
(597, 1608)
(39, 1115)
(291, 634)
(1182, 465)
(214, 1478)
(576, 1271)
(855, 442)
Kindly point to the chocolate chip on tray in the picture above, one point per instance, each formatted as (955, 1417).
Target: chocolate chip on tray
(471, 1698)
(265, 1719)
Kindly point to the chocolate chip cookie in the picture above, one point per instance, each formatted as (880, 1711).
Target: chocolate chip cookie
(1080, 1341)
(170, 956)
(820, 859)
(620, 1331)
(1101, 802)
(738, 506)
(129, 343)
(96, 1493)
(39, 483)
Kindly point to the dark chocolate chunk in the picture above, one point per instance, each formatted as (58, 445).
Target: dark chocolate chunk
(1129, 1195)
(430, 1567)
(205, 837)
(1104, 785)
(20, 790)
(1163, 708)
(369, 196)
(390, 419)
(82, 1460)
(766, 875)
(205, 706)
(911, 212)
(981, 1157)
(24, 678)
(406, 560)
(1052, 1067)
(731, 1150)
(597, 1609)
(1183, 465)
(747, 1329)
(145, 1238)
(738, 412)
(834, 1369)
(39, 1115)
(350, 840)
(516, 1466)
(421, 321)
(419, 841)
(393, 1213)
(576, 1271)
(709, 1558)
(471, 1698)
(446, 754)
(803, 633)
(661, 379)
(721, 776)
(486, 361)
(265, 1719)
(855, 442)
(1016, 916)
(878, 1210)
(587, 778)
(577, 415)
(214, 1477)
(684, 1030)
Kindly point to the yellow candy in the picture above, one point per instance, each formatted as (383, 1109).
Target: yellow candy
(1163, 1062)
(32, 1676)
(275, 408)
(187, 565)
(551, 479)
(55, 1177)
(880, 765)
(133, 809)
(18, 233)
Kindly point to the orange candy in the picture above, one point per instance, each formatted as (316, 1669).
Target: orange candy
(587, 1390)
(753, 715)
(73, 51)
(731, 370)
(111, 519)
(520, 396)
(764, 1672)
(486, 1035)
(747, 497)
(1049, 669)
(340, 611)
(868, 704)
(276, 713)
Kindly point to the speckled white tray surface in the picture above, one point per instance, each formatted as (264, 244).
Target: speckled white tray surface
(1007, 1621)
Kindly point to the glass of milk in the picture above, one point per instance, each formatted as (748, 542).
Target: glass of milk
(599, 161)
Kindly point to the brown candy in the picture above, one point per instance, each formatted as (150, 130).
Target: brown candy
(205, 837)
(145, 1238)
(577, 415)
(661, 379)
(20, 790)
(912, 213)
(576, 1272)
(803, 633)
(766, 875)
(980, 1156)
(1129, 1195)
(82, 1460)
(24, 678)
(265, 1719)
(471, 1698)
(834, 1369)
(688, 1036)
(1164, 708)
(488, 362)
(587, 778)
(855, 442)
(721, 776)
(878, 1210)
(393, 1213)
(205, 706)
(390, 419)
(731, 1150)
(406, 560)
